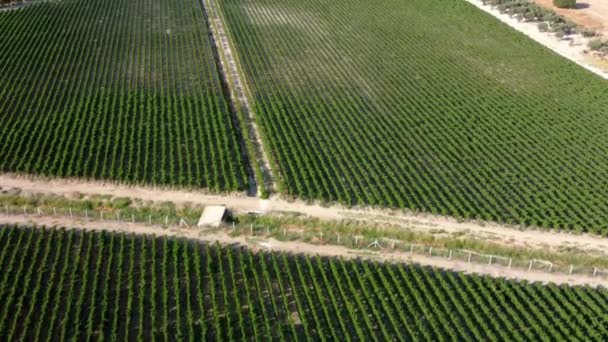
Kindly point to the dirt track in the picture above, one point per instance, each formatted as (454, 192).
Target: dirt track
(572, 50)
(322, 250)
(589, 13)
(239, 203)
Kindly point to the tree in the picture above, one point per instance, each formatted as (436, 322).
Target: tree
(564, 3)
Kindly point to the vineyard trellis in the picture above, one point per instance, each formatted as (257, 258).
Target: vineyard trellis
(84, 285)
(378, 242)
(428, 105)
(115, 89)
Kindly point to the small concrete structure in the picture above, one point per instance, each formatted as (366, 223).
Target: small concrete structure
(212, 216)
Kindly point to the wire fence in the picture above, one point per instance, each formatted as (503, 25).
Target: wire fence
(353, 241)
(389, 245)
(129, 215)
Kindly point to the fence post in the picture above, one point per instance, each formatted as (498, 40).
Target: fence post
(338, 238)
(469, 259)
(101, 214)
(530, 267)
(393, 244)
(450, 255)
(321, 235)
(6, 208)
(490, 262)
(118, 216)
(86, 214)
(510, 260)
(251, 228)
(54, 211)
(356, 240)
(431, 251)
(412, 249)
(150, 219)
(571, 267)
(132, 218)
(24, 211)
(71, 216)
(167, 220)
(550, 267)
(594, 271)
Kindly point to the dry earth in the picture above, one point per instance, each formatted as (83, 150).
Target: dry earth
(588, 13)
(271, 244)
(424, 223)
(570, 49)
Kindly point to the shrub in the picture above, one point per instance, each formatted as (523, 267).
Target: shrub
(588, 33)
(543, 27)
(564, 3)
(595, 44)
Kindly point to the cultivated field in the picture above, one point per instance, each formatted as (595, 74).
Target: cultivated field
(115, 89)
(86, 285)
(430, 105)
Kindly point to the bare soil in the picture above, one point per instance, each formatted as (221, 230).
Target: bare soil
(297, 247)
(572, 48)
(513, 236)
(588, 13)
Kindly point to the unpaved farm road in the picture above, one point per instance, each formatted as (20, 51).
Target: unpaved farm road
(589, 13)
(298, 247)
(239, 203)
(573, 52)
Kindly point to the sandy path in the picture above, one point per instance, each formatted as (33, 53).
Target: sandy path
(304, 248)
(239, 203)
(238, 92)
(573, 52)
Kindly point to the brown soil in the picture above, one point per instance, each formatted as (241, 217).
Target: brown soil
(589, 13)
(488, 231)
(298, 247)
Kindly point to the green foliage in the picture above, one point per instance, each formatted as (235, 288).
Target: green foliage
(564, 3)
(597, 44)
(115, 89)
(456, 119)
(121, 202)
(588, 33)
(99, 285)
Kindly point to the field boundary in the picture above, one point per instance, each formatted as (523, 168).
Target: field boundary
(239, 97)
(268, 243)
(514, 236)
(561, 47)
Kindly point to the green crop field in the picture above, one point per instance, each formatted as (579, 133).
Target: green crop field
(115, 89)
(431, 105)
(58, 284)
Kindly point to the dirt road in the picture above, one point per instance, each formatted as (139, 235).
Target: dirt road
(304, 248)
(588, 13)
(572, 50)
(240, 203)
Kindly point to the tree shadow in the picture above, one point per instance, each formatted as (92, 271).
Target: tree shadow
(581, 5)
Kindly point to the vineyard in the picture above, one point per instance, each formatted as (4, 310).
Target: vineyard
(430, 105)
(82, 285)
(116, 89)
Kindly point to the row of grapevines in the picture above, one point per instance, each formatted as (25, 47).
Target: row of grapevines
(115, 89)
(96, 285)
(427, 105)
